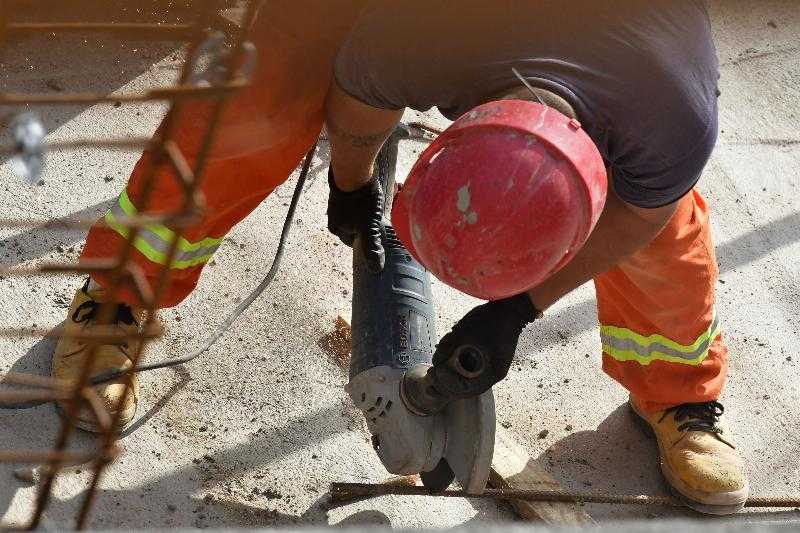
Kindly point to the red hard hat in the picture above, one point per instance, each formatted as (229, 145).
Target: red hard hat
(502, 199)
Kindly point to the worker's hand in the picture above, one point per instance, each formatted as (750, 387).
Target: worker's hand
(358, 214)
(478, 352)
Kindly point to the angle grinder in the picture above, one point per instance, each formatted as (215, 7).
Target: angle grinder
(394, 336)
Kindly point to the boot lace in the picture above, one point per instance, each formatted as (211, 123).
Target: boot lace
(123, 314)
(87, 312)
(697, 416)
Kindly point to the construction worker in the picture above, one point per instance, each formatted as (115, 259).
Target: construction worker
(641, 77)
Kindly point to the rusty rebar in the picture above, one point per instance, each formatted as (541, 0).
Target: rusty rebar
(179, 92)
(47, 456)
(99, 334)
(136, 30)
(26, 398)
(3, 21)
(98, 407)
(70, 409)
(133, 143)
(341, 493)
(426, 127)
(176, 220)
(33, 380)
(86, 266)
(37, 395)
(191, 183)
(121, 271)
(191, 187)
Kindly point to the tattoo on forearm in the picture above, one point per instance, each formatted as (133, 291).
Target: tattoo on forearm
(358, 140)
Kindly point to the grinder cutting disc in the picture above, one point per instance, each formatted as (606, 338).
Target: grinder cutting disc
(470, 440)
(469, 447)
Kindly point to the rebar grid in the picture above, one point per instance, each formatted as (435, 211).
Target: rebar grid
(120, 270)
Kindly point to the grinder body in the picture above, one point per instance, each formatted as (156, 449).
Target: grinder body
(394, 336)
(393, 330)
(393, 317)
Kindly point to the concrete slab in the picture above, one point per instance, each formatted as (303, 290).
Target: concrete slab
(252, 434)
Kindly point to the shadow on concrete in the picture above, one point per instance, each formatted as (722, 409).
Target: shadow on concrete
(37, 359)
(367, 517)
(621, 457)
(185, 378)
(78, 62)
(17, 432)
(35, 243)
(36, 427)
(73, 62)
(617, 456)
(758, 243)
(178, 489)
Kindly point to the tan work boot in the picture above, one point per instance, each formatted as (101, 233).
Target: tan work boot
(70, 355)
(698, 458)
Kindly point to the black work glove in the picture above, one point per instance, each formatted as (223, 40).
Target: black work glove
(358, 214)
(478, 352)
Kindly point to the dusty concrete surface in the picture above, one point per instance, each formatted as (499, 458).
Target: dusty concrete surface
(251, 435)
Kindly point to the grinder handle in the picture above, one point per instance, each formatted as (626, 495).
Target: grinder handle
(386, 166)
(393, 321)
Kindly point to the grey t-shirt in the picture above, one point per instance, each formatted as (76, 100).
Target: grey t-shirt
(641, 74)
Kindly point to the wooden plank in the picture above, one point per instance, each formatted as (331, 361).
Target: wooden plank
(512, 468)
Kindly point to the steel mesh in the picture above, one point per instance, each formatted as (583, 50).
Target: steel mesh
(119, 269)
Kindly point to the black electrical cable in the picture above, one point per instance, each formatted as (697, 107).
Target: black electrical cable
(231, 318)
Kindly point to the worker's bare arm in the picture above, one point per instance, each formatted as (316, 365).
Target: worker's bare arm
(622, 230)
(356, 132)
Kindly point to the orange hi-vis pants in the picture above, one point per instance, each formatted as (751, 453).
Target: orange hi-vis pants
(658, 326)
(658, 323)
(264, 133)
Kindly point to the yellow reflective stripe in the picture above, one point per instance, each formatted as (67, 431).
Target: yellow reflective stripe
(139, 243)
(153, 240)
(163, 232)
(626, 345)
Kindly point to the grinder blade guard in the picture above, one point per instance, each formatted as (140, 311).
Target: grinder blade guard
(393, 331)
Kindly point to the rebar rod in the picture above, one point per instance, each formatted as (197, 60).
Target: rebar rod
(178, 92)
(345, 492)
(135, 30)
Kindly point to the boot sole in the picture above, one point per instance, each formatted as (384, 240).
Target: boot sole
(729, 502)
